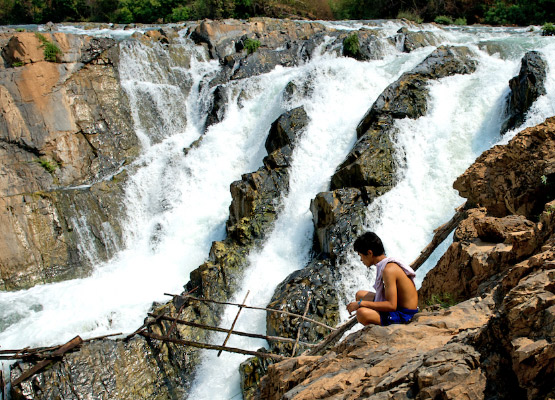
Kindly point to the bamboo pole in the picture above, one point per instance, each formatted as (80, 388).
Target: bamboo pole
(172, 327)
(76, 341)
(258, 308)
(441, 234)
(212, 346)
(300, 327)
(332, 337)
(234, 321)
(235, 332)
(41, 352)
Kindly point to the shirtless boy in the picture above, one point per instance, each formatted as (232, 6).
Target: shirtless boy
(395, 300)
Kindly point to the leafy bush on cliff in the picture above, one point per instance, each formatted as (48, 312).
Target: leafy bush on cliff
(51, 51)
(251, 45)
(351, 46)
(548, 29)
(410, 15)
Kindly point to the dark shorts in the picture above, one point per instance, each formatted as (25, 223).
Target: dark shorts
(401, 316)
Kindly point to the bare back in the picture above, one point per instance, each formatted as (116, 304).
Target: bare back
(406, 294)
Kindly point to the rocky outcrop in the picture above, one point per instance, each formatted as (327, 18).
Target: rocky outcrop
(496, 343)
(371, 162)
(407, 40)
(429, 358)
(66, 132)
(515, 179)
(526, 87)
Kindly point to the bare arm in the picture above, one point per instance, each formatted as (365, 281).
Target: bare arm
(390, 282)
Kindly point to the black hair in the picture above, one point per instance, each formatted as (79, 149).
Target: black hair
(369, 241)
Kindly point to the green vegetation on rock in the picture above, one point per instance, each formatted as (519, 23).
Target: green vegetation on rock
(51, 51)
(444, 300)
(548, 29)
(410, 15)
(48, 165)
(351, 46)
(251, 45)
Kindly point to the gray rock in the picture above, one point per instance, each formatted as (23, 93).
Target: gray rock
(287, 129)
(525, 89)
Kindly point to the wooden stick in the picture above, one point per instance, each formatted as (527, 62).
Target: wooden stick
(333, 337)
(440, 234)
(172, 327)
(238, 333)
(300, 327)
(259, 308)
(234, 321)
(212, 346)
(76, 341)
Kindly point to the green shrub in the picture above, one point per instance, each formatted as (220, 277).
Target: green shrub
(443, 20)
(50, 50)
(251, 45)
(410, 15)
(351, 46)
(48, 165)
(444, 300)
(548, 29)
(17, 64)
(460, 21)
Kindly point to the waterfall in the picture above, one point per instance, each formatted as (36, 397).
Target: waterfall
(177, 205)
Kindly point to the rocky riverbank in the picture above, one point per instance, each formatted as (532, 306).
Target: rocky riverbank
(71, 156)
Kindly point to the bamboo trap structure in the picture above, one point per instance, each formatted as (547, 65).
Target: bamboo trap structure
(44, 356)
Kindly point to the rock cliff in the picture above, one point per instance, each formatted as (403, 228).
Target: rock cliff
(65, 133)
(497, 341)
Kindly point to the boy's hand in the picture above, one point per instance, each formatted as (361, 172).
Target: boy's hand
(353, 306)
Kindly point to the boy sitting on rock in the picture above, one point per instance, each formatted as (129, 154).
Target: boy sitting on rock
(395, 300)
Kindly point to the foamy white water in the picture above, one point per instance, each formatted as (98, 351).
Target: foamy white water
(463, 120)
(177, 205)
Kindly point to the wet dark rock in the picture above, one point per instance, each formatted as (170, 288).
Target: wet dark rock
(371, 162)
(314, 282)
(287, 129)
(338, 218)
(408, 41)
(526, 87)
(219, 105)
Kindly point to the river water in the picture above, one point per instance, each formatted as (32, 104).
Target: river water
(177, 205)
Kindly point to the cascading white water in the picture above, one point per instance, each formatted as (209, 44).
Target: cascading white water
(177, 205)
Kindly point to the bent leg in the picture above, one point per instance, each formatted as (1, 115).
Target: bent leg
(368, 316)
(365, 295)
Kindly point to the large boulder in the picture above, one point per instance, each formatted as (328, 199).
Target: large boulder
(526, 87)
(313, 284)
(287, 129)
(518, 178)
(339, 217)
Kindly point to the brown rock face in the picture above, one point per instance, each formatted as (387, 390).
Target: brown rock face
(515, 179)
(64, 131)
